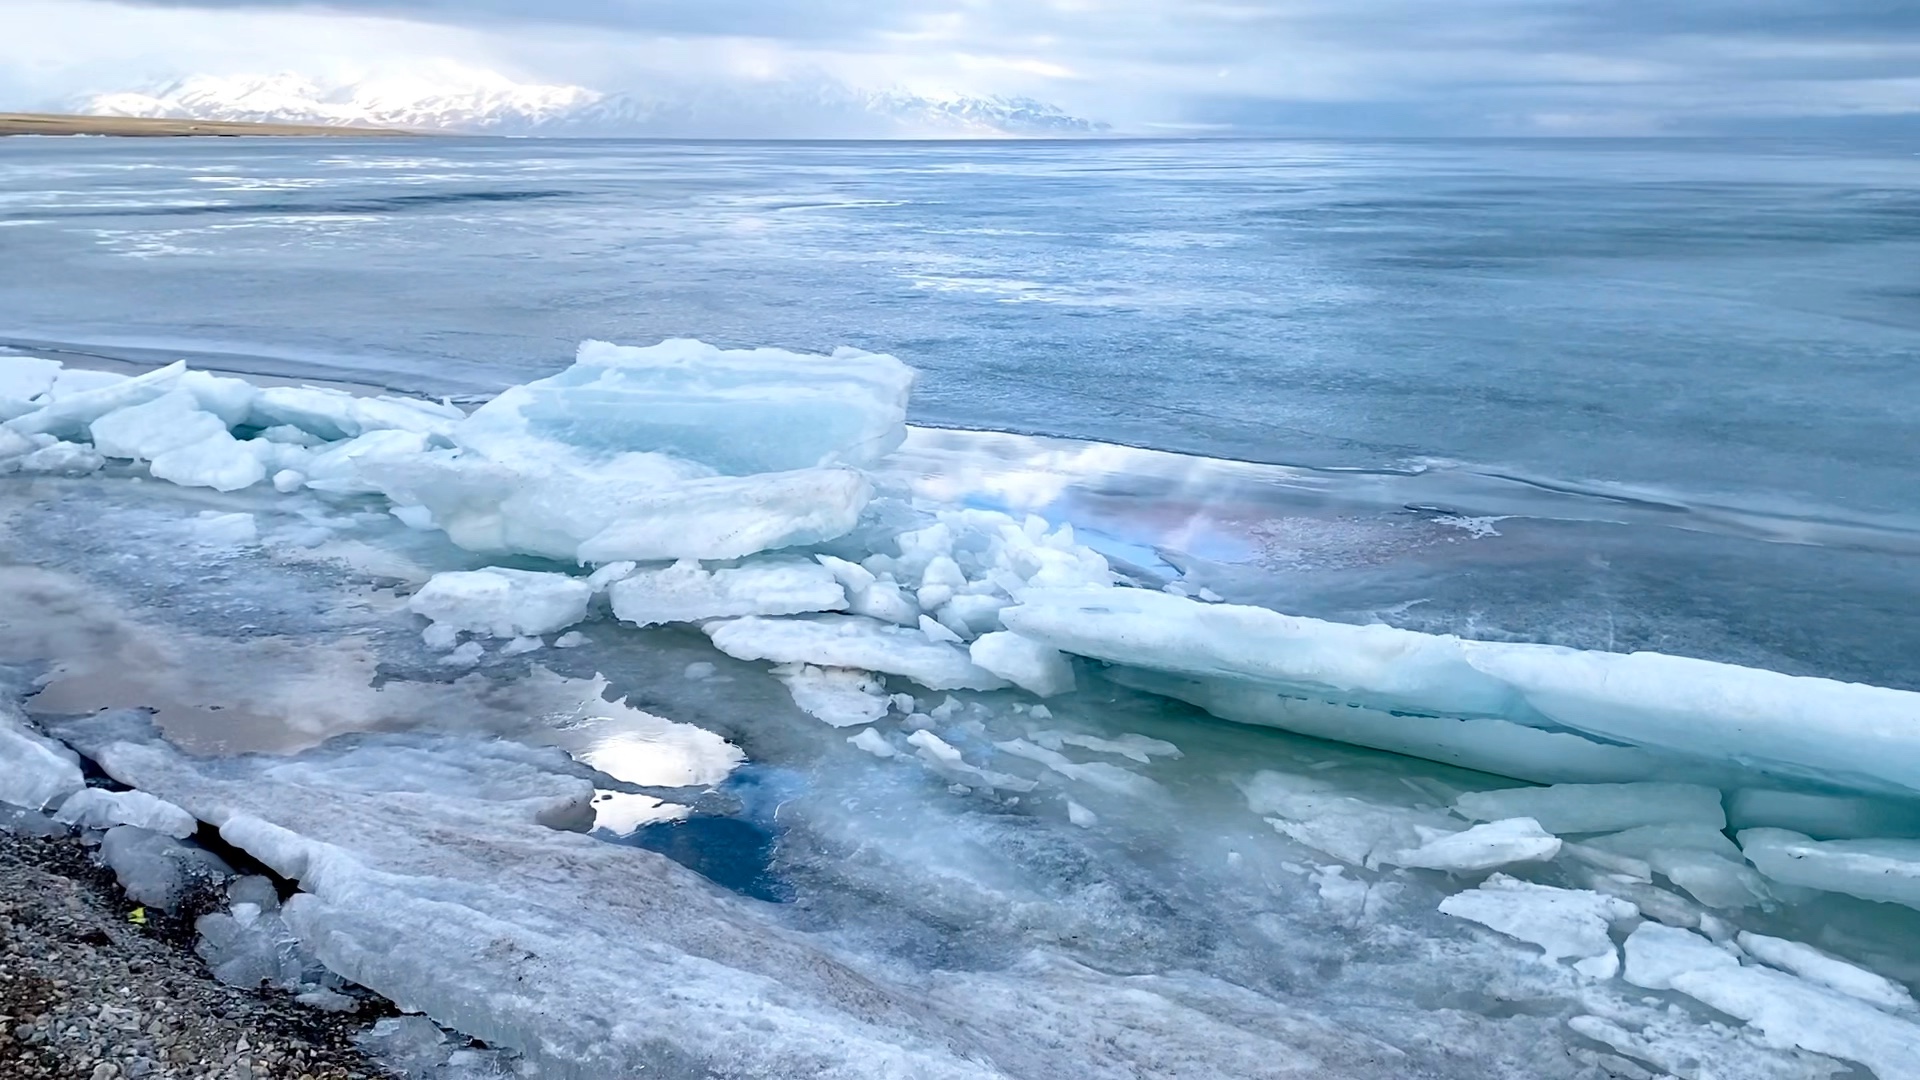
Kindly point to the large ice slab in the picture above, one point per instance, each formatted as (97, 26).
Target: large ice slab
(1884, 870)
(727, 517)
(35, 771)
(1795, 1012)
(68, 415)
(685, 592)
(1827, 970)
(141, 432)
(428, 876)
(157, 870)
(1656, 954)
(95, 808)
(26, 377)
(1593, 808)
(335, 414)
(740, 411)
(1815, 729)
(850, 641)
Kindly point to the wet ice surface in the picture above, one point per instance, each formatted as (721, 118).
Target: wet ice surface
(646, 851)
(1181, 920)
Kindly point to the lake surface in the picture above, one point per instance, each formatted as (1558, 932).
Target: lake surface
(1623, 336)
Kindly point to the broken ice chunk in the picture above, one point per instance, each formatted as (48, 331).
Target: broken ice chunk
(347, 468)
(466, 655)
(1656, 953)
(62, 459)
(142, 432)
(936, 752)
(35, 771)
(935, 632)
(684, 592)
(1794, 1012)
(214, 529)
(503, 603)
(1698, 858)
(606, 575)
(851, 642)
(1885, 870)
(1483, 847)
(23, 378)
(1823, 817)
(873, 743)
(839, 696)
(66, 415)
(1134, 747)
(1350, 829)
(742, 411)
(1591, 808)
(1565, 923)
(95, 808)
(1097, 774)
(1829, 971)
(730, 517)
(217, 461)
(1039, 669)
(158, 870)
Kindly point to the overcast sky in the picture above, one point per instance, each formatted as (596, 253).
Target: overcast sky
(1308, 66)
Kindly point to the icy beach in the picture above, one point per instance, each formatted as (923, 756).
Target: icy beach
(684, 713)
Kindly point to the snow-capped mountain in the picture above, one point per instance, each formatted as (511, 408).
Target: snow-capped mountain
(448, 99)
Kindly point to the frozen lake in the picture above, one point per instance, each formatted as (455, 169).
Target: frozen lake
(1039, 724)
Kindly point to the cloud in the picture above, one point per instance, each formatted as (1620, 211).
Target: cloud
(1297, 66)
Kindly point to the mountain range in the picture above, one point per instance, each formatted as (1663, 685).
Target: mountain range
(469, 101)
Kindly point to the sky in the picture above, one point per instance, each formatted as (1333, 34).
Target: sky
(1360, 67)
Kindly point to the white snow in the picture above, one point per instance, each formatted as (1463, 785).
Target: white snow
(1483, 847)
(1038, 669)
(1885, 870)
(502, 602)
(1565, 923)
(1827, 970)
(684, 592)
(844, 641)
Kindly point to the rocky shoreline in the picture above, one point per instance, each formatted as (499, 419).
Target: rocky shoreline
(88, 993)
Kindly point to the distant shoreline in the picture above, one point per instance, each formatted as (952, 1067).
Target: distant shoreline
(140, 127)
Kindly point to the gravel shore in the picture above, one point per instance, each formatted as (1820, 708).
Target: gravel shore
(87, 993)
